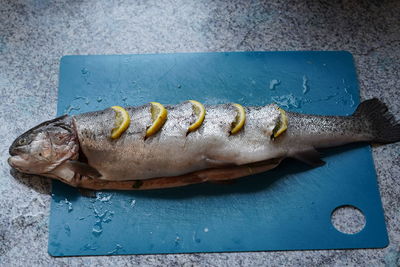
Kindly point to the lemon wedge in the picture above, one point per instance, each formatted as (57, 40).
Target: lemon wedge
(282, 124)
(237, 125)
(159, 116)
(200, 111)
(122, 121)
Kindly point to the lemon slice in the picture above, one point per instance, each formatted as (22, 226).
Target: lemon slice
(282, 124)
(200, 111)
(122, 121)
(237, 125)
(159, 116)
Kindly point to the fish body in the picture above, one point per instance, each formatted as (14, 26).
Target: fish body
(174, 157)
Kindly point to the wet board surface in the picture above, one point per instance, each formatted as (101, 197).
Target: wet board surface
(288, 208)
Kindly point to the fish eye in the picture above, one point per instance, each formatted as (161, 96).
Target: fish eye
(22, 142)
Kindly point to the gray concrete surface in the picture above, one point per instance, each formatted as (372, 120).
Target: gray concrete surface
(34, 34)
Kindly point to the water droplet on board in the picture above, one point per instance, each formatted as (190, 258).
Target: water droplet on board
(99, 99)
(84, 71)
(329, 97)
(133, 203)
(273, 84)
(67, 229)
(71, 108)
(306, 88)
(177, 240)
(89, 247)
(69, 204)
(205, 230)
(287, 101)
(97, 230)
(195, 238)
(103, 197)
(101, 217)
(87, 101)
(115, 251)
(108, 217)
(352, 103)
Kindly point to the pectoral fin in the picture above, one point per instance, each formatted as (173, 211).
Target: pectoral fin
(83, 169)
(310, 156)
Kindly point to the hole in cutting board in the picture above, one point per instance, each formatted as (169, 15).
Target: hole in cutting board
(348, 219)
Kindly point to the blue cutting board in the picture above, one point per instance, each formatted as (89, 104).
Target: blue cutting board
(288, 208)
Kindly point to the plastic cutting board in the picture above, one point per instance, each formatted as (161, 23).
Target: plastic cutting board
(288, 208)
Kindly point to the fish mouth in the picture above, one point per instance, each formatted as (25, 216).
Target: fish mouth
(12, 160)
(17, 162)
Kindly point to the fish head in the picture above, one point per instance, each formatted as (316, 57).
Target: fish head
(44, 147)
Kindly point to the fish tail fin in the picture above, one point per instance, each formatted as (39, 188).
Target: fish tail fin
(383, 127)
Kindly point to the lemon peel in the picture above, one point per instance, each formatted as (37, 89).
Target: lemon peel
(282, 125)
(200, 111)
(159, 116)
(240, 119)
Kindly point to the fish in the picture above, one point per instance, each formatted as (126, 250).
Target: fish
(78, 150)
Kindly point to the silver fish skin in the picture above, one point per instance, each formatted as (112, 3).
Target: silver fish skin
(173, 152)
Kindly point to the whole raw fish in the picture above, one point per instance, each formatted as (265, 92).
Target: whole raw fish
(78, 149)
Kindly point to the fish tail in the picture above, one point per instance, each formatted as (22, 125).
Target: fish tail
(381, 124)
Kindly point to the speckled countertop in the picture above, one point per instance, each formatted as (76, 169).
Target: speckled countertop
(34, 35)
